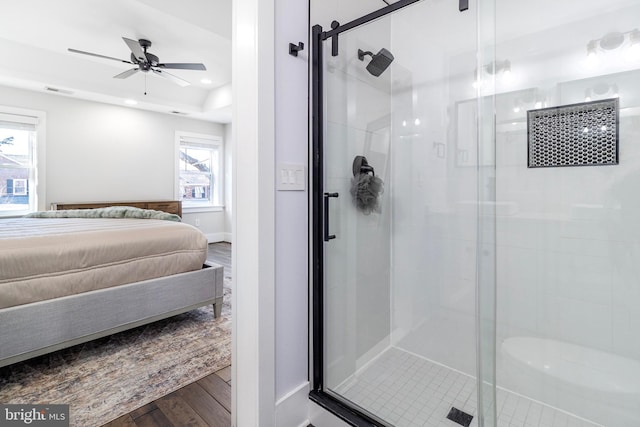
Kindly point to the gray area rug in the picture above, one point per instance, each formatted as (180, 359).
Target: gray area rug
(109, 377)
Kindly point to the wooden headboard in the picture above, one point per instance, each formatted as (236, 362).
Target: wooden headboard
(171, 206)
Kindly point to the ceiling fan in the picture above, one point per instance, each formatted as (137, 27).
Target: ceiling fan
(146, 61)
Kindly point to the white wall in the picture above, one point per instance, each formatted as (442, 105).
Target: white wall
(291, 250)
(323, 12)
(103, 152)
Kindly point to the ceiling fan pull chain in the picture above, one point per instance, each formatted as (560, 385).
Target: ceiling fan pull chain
(145, 84)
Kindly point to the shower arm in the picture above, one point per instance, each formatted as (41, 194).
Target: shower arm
(362, 53)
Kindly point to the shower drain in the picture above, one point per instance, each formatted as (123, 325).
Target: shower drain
(459, 417)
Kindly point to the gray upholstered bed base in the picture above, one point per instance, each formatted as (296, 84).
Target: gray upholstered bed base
(34, 329)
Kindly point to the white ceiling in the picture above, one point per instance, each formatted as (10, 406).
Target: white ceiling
(35, 36)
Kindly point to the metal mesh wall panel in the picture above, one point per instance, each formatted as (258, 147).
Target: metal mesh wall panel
(583, 134)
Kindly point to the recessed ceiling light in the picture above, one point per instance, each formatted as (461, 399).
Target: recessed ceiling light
(206, 81)
(130, 102)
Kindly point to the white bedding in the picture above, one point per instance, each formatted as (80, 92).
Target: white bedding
(49, 258)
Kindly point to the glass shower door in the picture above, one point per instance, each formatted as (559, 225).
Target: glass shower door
(357, 200)
(396, 216)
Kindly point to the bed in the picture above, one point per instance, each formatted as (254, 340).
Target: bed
(64, 281)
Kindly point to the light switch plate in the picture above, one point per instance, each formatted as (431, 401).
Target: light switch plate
(291, 177)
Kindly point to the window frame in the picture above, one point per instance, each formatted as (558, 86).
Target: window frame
(37, 171)
(206, 140)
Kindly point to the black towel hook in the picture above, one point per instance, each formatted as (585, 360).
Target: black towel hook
(294, 49)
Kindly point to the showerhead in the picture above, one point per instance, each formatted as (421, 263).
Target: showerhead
(379, 62)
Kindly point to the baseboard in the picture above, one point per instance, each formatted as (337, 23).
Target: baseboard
(216, 237)
(293, 408)
(228, 237)
(373, 353)
(319, 416)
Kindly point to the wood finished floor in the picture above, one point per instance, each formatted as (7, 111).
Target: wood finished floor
(204, 403)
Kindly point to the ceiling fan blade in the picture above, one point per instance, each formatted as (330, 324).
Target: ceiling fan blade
(135, 47)
(126, 74)
(171, 77)
(184, 66)
(99, 56)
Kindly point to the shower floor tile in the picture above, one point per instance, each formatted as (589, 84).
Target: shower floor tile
(409, 391)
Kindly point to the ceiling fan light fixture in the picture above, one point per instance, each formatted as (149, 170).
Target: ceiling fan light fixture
(146, 61)
(206, 81)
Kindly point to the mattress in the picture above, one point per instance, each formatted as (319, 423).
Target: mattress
(43, 258)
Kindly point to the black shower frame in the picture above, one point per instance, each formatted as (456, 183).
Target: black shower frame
(350, 414)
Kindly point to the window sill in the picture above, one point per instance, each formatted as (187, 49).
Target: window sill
(14, 214)
(199, 209)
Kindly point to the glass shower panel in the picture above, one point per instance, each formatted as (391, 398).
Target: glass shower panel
(487, 208)
(568, 235)
(400, 275)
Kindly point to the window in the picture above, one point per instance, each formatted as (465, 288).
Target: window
(21, 132)
(199, 177)
(17, 187)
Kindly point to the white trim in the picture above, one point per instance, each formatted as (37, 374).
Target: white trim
(365, 360)
(292, 409)
(373, 353)
(24, 116)
(203, 139)
(228, 237)
(318, 416)
(210, 139)
(253, 209)
(215, 237)
(188, 210)
(39, 118)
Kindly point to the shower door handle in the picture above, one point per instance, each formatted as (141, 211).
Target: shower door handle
(327, 236)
